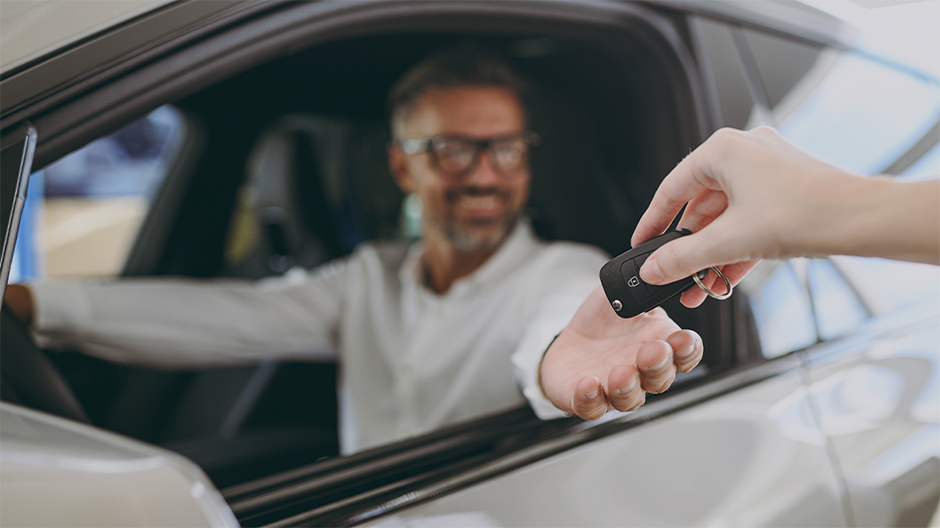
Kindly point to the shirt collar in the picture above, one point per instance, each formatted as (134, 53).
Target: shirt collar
(519, 246)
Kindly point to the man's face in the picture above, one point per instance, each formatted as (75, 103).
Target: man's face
(475, 210)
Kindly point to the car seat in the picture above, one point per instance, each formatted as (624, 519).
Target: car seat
(315, 188)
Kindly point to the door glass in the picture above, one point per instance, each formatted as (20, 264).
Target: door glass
(83, 212)
(719, 55)
(911, 283)
(781, 63)
(862, 115)
(838, 309)
(781, 308)
(926, 168)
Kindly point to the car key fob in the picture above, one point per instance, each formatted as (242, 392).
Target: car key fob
(629, 296)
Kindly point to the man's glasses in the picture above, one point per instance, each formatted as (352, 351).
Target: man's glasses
(456, 156)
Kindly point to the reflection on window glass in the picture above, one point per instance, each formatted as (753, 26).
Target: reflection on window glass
(84, 210)
(862, 115)
(911, 283)
(781, 308)
(782, 63)
(838, 309)
(727, 72)
(927, 167)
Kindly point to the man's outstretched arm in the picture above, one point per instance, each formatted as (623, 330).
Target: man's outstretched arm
(601, 362)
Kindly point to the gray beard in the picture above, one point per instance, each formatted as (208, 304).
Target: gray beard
(468, 242)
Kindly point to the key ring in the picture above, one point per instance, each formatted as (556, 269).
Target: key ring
(719, 296)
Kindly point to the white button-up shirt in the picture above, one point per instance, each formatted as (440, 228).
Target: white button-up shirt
(411, 360)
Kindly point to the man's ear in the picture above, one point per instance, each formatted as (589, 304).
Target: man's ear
(398, 166)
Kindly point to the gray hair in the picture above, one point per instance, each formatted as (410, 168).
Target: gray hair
(466, 65)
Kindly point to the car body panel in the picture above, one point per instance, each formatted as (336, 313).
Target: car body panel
(32, 30)
(879, 403)
(57, 472)
(751, 458)
(29, 30)
(45, 60)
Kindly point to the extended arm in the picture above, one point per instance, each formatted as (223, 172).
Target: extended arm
(751, 195)
(183, 322)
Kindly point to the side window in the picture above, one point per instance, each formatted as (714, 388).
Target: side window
(84, 211)
(752, 73)
(801, 301)
(859, 114)
(722, 64)
(782, 65)
(782, 311)
(927, 167)
(837, 307)
(844, 107)
(911, 283)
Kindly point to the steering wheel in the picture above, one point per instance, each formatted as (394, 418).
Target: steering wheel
(28, 377)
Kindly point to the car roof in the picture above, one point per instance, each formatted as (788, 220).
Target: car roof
(32, 30)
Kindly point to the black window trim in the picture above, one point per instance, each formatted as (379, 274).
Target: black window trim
(120, 92)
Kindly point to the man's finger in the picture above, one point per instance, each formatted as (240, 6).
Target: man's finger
(657, 369)
(687, 349)
(624, 391)
(589, 401)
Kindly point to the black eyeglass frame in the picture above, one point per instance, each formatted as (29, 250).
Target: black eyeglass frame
(418, 145)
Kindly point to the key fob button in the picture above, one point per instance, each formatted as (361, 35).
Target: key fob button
(631, 277)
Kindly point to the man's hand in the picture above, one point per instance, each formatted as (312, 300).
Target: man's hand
(602, 362)
(20, 301)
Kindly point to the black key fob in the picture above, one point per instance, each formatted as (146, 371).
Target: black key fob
(629, 296)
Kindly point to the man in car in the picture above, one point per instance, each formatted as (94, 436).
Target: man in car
(428, 333)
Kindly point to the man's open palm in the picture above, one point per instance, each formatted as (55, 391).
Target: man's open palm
(602, 362)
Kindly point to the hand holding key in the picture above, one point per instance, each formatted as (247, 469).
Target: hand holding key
(750, 195)
(629, 295)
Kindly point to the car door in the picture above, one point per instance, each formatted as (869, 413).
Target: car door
(744, 450)
(887, 123)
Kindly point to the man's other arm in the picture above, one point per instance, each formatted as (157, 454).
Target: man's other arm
(185, 323)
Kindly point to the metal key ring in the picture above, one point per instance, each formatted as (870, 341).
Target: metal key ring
(719, 296)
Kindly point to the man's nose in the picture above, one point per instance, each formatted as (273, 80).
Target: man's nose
(484, 172)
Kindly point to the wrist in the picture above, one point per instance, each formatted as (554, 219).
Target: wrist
(19, 300)
(835, 213)
(541, 361)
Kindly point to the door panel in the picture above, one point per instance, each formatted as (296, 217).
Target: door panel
(880, 405)
(751, 458)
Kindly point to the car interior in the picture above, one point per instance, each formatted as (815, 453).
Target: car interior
(284, 165)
